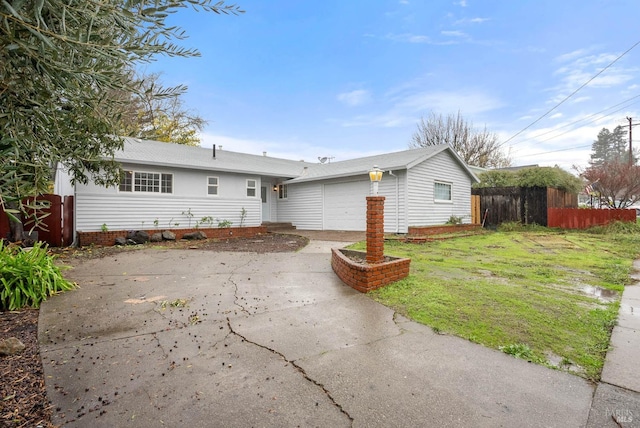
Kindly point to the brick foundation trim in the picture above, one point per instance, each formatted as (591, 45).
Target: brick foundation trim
(109, 238)
(441, 229)
(364, 277)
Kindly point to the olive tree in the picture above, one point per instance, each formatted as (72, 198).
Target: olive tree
(59, 62)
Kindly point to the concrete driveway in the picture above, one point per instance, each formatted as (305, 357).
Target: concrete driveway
(200, 339)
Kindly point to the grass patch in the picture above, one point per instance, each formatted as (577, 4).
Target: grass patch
(528, 293)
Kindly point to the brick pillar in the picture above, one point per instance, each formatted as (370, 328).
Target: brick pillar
(375, 229)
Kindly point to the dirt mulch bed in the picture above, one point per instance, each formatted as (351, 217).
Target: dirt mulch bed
(23, 398)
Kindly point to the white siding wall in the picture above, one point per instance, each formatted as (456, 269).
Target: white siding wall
(395, 204)
(96, 205)
(303, 206)
(422, 209)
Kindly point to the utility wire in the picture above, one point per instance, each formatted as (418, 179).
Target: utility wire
(570, 95)
(580, 120)
(555, 151)
(570, 130)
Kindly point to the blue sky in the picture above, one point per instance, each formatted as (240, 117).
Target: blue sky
(343, 79)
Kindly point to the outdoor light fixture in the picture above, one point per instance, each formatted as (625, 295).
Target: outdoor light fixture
(275, 187)
(375, 175)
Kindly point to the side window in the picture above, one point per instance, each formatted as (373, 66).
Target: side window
(212, 185)
(442, 192)
(126, 181)
(251, 188)
(282, 191)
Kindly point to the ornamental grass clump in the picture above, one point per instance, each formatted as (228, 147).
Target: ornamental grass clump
(28, 276)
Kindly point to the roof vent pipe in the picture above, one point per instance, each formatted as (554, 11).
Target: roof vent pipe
(264, 153)
(214, 151)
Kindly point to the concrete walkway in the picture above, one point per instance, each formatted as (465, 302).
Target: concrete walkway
(616, 402)
(200, 339)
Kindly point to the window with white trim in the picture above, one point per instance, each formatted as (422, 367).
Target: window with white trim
(282, 191)
(148, 182)
(126, 181)
(212, 186)
(442, 192)
(251, 188)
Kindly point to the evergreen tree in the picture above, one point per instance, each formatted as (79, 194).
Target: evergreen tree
(610, 146)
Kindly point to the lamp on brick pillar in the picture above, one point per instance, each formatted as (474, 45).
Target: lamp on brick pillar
(375, 220)
(375, 175)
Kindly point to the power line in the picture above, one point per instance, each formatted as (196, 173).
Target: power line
(580, 120)
(555, 151)
(569, 96)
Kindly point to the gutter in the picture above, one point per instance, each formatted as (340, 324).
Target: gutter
(397, 201)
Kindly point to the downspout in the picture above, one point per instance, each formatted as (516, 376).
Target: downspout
(397, 202)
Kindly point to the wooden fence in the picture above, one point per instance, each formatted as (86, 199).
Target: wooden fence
(57, 226)
(527, 205)
(583, 218)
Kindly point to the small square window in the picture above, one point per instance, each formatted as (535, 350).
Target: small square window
(212, 185)
(442, 192)
(251, 188)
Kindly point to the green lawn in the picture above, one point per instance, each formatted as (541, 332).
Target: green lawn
(528, 293)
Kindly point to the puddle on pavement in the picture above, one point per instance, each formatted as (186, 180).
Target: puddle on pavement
(603, 294)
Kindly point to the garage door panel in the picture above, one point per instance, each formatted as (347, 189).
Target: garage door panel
(345, 205)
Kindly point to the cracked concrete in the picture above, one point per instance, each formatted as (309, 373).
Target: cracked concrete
(271, 340)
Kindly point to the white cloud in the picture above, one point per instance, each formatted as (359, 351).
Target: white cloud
(466, 21)
(556, 116)
(355, 98)
(302, 150)
(408, 38)
(570, 56)
(468, 102)
(462, 3)
(407, 106)
(453, 33)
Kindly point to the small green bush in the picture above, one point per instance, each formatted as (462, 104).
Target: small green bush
(454, 220)
(27, 277)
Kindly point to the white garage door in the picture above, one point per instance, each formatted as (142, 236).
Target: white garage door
(345, 205)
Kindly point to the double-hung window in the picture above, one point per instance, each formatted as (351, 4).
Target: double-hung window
(212, 185)
(442, 192)
(282, 191)
(251, 188)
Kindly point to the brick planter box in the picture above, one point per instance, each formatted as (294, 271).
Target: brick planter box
(366, 277)
(108, 238)
(442, 229)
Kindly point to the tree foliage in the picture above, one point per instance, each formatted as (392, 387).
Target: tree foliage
(616, 182)
(532, 177)
(155, 112)
(610, 146)
(59, 62)
(477, 147)
(612, 173)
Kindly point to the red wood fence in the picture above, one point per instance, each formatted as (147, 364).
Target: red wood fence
(583, 218)
(57, 228)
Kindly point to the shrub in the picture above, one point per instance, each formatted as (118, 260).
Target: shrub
(28, 276)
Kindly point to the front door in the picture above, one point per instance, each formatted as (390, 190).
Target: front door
(266, 203)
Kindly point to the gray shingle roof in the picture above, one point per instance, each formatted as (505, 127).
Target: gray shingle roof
(387, 162)
(176, 155)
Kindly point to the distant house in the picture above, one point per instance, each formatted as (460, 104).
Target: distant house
(175, 186)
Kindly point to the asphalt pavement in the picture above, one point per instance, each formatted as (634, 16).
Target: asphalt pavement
(203, 339)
